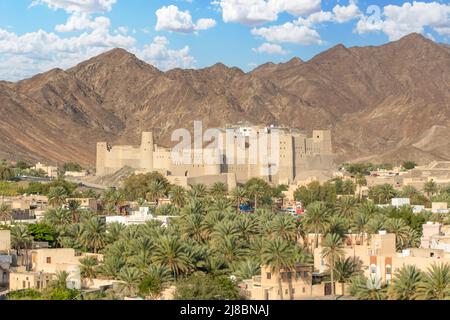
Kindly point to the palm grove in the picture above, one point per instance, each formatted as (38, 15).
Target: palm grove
(211, 245)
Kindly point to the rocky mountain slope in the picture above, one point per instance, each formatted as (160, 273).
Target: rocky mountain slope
(386, 103)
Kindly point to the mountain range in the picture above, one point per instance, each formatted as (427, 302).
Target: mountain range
(384, 103)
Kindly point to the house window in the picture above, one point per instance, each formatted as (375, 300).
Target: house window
(373, 268)
(298, 274)
(304, 289)
(388, 269)
(289, 275)
(305, 274)
(24, 284)
(293, 291)
(269, 276)
(49, 260)
(286, 291)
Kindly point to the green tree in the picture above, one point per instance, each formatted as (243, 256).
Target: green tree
(206, 287)
(278, 254)
(6, 173)
(218, 189)
(409, 165)
(332, 251)
(93, 234)
(170, 252)
(156, 190)
(364, 288)
(435, 284)
(42, 232)
(88, 268)
(130, 279)
(177, 195)
(430, 188)
(382, 194)
(404, 285)
(21, 241)
(57, 196)
(5, 212)
(345, 269)
(239, 196)
(74, 207)
(316, 220)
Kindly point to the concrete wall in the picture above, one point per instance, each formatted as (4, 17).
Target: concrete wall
(297, 154)
(5, 240)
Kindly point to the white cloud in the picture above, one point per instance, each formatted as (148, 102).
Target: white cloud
(82, 21)
(270, 48)
(40, 51)
(315, 19)
(398, 21)
(71, 6)
(204, 24)
(170, 18)
(254, 12)
(290, 33)
(346, 13)
(296, 7)
(158, 54)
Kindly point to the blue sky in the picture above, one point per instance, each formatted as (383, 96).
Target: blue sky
(37, 35)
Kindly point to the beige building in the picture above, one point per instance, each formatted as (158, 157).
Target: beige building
(5, 241)
(51, 171)
(242, 158)
(296, 284)
(45, 264)
(380, 258)
(85, 203)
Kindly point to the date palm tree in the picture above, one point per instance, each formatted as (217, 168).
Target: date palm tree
(57, 196)
(361, 181)
(21, 240)
(364, 288)
(93, 234)
(130, 277)
(156, 190)
(198, 191)
(88, 268)
(278, 254)
(177, 195)
(5, 212)
(346, 207)
(284, 226)
(230, 249)
(401, 230)
(73, 206)
(435, 284)
(193, 227)
(171, 253)
(404, 285)
(332, 251)
(345, 269)
(218, 189)
(360, 225)
(316, 220)
(57, 217)
(430, 188)
(239, 196)
(247, 269)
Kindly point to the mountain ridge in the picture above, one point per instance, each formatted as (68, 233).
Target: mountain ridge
(382, 103)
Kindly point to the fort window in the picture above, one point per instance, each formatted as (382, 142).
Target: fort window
(269, 276)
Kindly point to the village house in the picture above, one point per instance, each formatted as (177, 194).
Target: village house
(46, 263)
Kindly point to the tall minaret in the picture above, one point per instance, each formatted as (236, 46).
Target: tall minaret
(147, 147)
